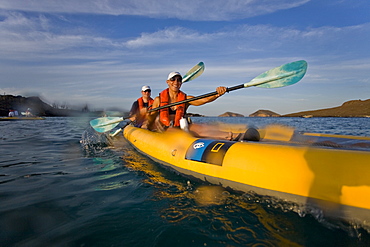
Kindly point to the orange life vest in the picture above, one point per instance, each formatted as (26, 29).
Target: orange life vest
(140, 117)
(140, 101)
(164, 114)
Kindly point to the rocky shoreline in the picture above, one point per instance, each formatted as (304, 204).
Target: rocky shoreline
(38, 107)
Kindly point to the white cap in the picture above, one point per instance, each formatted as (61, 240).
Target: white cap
(144, 88)
(172, 74)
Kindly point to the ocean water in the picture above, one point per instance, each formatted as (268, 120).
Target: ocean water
(57, 191)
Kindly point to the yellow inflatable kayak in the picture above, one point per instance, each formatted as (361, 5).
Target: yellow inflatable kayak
(312, 170)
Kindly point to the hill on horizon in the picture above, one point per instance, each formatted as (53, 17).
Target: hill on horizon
(352, 108)
(264, 113)
(230, 114)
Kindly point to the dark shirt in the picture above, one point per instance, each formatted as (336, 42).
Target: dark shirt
(172, 112)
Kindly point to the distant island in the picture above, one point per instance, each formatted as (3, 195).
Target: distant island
(264, 113)
(352, 108)
(231, 114)
(259, 113)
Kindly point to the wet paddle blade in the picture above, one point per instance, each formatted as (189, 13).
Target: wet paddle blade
(282, 76)
(104, 124)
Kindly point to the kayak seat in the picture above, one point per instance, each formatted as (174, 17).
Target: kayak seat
(250, 134)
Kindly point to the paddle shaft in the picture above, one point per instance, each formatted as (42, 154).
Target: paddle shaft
(229, 89)
(194, 98)
(281, 76)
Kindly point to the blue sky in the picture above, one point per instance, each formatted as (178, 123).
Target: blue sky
(101, 52)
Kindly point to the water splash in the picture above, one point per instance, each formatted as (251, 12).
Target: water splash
(94, 142)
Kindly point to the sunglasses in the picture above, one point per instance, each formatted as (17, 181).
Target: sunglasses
(176, 78)
(148, 91)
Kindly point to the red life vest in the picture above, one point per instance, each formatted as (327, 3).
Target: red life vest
(164, 114)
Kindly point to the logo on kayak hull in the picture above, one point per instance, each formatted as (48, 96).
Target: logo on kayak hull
(198, 145)
(208, 151)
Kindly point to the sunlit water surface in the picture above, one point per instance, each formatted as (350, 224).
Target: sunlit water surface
(57, 191)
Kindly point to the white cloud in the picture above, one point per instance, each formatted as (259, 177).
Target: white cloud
(24, 38)
(172, 35)
(20, 35)
(187, 10)
(261, 39)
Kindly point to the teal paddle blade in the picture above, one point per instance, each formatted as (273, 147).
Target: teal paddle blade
(282, 76)
(105, 124)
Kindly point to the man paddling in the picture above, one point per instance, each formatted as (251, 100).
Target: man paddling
(170, 117)
(140, 107)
